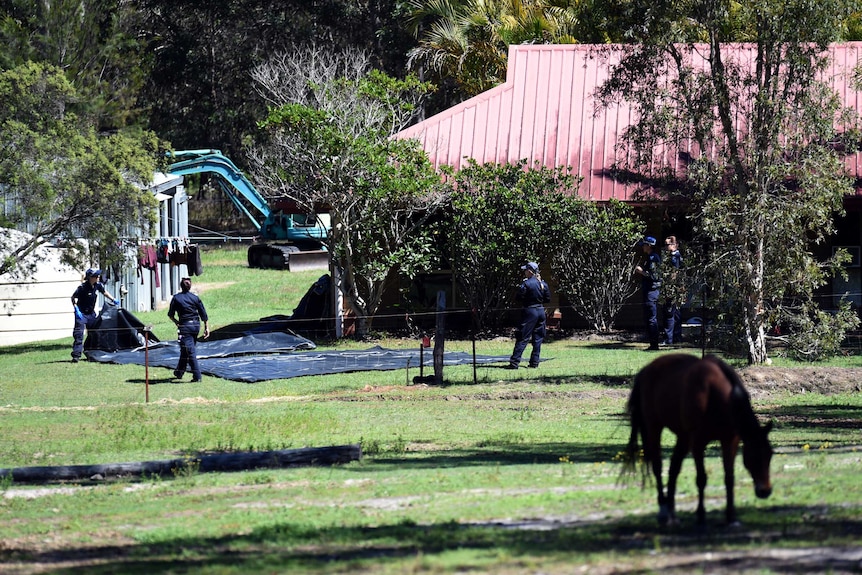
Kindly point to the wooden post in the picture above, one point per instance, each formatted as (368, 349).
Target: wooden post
(475, 380)
(147, 363)
(439, 337)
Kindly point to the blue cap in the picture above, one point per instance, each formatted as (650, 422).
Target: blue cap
(532, 266)
(648, 241)
(93, 272)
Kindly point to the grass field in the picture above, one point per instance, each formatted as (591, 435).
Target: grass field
(515, 473)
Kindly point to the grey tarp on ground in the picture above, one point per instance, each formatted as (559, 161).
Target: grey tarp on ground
(279, 355)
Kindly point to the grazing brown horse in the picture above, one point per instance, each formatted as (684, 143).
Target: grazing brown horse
(700, 400)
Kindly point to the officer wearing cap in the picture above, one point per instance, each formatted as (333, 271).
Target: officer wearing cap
(84, 304)
(650, 286)
(533, 293)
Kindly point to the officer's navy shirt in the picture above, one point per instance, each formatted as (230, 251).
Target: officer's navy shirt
(85, 295)
(652, 274)
(188, 306)
(532, 292)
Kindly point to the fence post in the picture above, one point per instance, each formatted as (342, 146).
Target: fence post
(439, 337)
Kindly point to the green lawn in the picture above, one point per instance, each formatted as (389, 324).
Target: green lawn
(517, 472)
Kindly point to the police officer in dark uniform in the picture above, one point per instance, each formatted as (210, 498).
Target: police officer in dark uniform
(84, 304)
(672, 293)
(533, 293)
(190, 311)
(650, 274)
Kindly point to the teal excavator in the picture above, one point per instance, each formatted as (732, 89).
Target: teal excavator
(288, 237)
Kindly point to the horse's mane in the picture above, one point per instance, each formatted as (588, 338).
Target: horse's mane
(740, 402)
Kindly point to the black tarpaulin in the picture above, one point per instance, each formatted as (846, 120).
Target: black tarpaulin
(116, 328)
(277, 355)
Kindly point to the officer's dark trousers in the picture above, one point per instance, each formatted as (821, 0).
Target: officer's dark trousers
(672, 322)
(187, 335)
(532, 330)
(651, 316)
(85, 322)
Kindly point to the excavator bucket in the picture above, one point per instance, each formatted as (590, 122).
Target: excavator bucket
(311, 260)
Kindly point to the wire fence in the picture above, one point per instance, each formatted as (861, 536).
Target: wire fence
(406, 328)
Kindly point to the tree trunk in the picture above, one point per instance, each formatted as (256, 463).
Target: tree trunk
(754, 330)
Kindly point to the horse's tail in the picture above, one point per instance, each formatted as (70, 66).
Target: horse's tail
(631, 455)
(743, 414)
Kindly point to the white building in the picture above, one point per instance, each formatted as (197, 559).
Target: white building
(40, 308)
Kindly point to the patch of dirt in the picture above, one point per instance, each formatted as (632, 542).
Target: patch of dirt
(762, 381)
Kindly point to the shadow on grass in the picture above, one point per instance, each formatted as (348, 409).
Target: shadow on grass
(816, 416)
(158, 380)
(42, 347)
(535, 377)
(498, 453)
(629, 544)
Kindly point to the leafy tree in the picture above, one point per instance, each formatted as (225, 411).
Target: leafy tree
(592, 257)
(202, 95)
(765, 174)
(95, 43)
(327, 142)
(499, 216)
(59, 179)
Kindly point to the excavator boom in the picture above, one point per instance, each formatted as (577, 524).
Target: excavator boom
(289, 240)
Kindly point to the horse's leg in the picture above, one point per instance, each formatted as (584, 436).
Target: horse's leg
(652, 453)
(679, 452)
(728, 456)
(698, 453)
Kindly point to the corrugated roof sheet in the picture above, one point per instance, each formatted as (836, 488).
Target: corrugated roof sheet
(545, 113)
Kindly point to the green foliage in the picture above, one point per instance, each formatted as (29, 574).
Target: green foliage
(593, 256)
(94, 42)
(468, 41)
(499, 217)
(815, 334)
(62, 180)
(765, 176)
(201, 94)
(327, 143)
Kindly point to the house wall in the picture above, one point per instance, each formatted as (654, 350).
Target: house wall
(40, 308)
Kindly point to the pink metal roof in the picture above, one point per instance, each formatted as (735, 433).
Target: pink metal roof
(545, 113)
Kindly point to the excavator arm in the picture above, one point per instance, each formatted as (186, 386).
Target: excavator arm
(304, 234)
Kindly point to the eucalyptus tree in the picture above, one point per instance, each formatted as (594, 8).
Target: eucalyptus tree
(95, 42)
(60, 179)
(327, 141)
(762, 132)
(202, 94)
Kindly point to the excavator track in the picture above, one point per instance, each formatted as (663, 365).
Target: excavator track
(286, 257)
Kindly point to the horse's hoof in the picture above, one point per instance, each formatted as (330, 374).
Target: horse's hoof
(664, 516)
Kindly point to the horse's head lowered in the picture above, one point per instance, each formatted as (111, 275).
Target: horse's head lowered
(756, 455)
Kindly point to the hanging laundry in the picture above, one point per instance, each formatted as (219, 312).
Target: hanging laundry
(148, 259)
(196, 268)
(163, 251)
